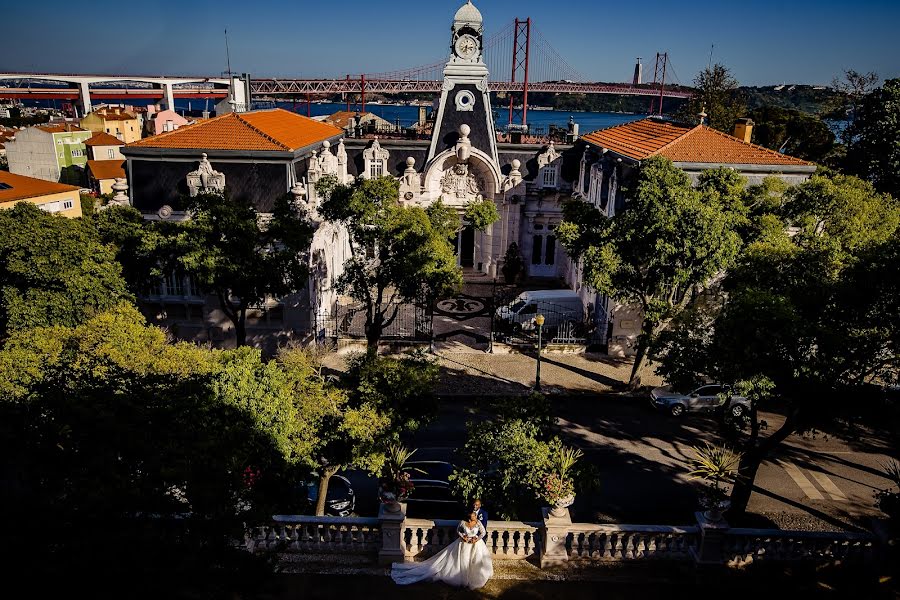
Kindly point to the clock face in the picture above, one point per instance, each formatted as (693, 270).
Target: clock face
(467, 46)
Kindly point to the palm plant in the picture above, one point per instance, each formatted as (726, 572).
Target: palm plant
(395, 474)
(889, 498)
(715, 465)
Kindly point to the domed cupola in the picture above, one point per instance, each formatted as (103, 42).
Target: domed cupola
(468, 16)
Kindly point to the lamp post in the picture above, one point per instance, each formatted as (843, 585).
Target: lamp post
(539, 321)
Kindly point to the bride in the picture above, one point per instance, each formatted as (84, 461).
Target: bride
(465, 562)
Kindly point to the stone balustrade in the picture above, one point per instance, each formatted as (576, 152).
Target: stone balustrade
(393, 537)
(317, 535)
(630, 542)
(512, 540)
(745, 546)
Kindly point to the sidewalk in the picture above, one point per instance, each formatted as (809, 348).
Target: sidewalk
(466, 371)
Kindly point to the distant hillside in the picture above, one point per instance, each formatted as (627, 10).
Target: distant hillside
(810, 99)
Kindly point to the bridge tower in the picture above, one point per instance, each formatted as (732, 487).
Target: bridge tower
(520, 63)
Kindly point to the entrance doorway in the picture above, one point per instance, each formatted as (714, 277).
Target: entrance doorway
(465, 247)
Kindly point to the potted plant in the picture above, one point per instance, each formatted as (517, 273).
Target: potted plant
(512, 264)
(717, 467)
(889, 499)
(558, 485)
(396, 483)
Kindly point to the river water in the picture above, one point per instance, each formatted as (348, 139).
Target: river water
(538, 120)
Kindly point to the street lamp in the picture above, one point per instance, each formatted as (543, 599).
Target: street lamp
(539, 321)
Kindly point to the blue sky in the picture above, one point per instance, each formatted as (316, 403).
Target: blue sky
(762, 41)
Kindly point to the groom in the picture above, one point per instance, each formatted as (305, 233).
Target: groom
(482, 515)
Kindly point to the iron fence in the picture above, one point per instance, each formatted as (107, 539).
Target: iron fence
(561, 325)
(413, 322)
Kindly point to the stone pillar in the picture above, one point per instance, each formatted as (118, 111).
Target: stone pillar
(168, 96)
(391, 550)
(711, 548)
(553, 535)
(85, 92)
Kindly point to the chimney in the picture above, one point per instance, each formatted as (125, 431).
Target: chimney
(743, 130)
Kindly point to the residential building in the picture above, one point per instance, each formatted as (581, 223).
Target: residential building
(610, 161)
(260, 156)
(6, 134)
(356, 124)
(162, 121)
(114, 120)
(49, 196)
(102, 174)
(51, 152)
(103, 146)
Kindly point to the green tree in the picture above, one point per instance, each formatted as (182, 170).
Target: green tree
(482, 214)
(807, 320)
(399, 254)
(852, 88)
(873, 152)
(669, 243)
(715, 93)
(243, 261)
(53, 270)
(506, 461)
(352, 423)
(793, 132)
(153, 454)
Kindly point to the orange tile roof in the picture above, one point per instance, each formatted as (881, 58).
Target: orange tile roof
(18, 187)
(274, 130)
(114, 114)
(701, 144)
(60, 128)
(106, 169)
(343, 118)
(103, 139)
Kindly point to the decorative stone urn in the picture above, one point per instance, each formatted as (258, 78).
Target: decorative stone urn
(559, 509)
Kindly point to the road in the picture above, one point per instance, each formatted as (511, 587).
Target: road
(820, 481)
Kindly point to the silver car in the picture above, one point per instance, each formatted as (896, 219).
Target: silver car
(707, 398)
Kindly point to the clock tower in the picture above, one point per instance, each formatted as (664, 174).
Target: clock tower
(465, 98)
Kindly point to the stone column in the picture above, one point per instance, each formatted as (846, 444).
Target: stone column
(391, 550)
(711, 548)
(553, 534)
(85, 92)
(168, 96)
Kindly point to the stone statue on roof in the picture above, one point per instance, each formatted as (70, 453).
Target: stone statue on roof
(205, 178)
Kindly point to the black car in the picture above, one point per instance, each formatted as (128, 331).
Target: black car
(340, 501)
(431, 496)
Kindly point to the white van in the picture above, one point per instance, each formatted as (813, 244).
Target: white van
(557, 306)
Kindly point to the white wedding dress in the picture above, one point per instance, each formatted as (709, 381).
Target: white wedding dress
(460, 564)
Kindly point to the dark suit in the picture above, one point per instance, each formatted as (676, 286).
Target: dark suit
(482, 515)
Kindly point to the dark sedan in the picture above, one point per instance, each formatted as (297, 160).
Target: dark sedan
(340, 501)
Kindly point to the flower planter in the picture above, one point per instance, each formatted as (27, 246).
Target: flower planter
(559, 509)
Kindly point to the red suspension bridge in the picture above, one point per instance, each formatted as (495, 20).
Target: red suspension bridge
(519, 58)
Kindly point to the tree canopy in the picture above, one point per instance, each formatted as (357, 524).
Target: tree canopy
(53, 270)
(669, 242)
(152, 454)
(716, 94)
(227, 247)
(399, 254)
(808, 315)
(873, 151)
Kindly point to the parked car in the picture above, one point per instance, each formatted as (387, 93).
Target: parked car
(557, 306)
(340, 501)
(705, 399)
(431, 496)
